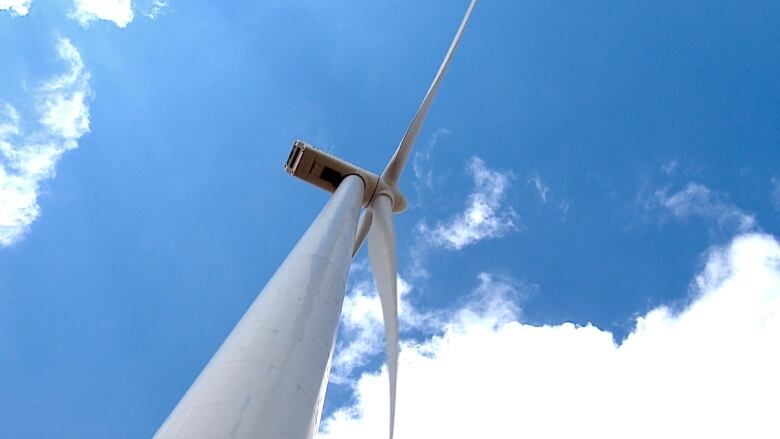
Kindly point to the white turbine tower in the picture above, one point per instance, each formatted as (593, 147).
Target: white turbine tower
(268, 378)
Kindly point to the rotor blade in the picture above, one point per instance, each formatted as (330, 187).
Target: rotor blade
(381, 254)
(396, 164)
(364, 224)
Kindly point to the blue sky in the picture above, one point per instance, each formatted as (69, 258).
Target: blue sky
(614, 166)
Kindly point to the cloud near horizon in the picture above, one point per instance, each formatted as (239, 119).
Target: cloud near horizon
(27, 158)
(710, 370)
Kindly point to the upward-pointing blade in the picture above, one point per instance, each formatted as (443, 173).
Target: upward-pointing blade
(381, 253)
(381, 237)
(396, 164)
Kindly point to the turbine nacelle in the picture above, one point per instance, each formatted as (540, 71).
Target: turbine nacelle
(326, 171)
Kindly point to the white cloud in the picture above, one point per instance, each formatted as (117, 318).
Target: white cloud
(547, 197)
(564, 206)
(363, 329)
(669, 167)
(157, 9)
(17, 7)
(28, 158)
(423, 173)
(540, 187)
(118, 11)
(485, 216)
(697, 200)
(708, 371)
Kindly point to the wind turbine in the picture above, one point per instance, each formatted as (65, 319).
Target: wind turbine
(268, 378)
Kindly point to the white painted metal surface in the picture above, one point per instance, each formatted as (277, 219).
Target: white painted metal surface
(268, 378)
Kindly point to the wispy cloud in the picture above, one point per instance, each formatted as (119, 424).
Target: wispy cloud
(669, 167)
(421, 163)
(157, 8)
(120, 12)
(495, 301)
(17, 7)
(698, 201)
(563, 206)
(776, 193)
(27, 158)
(547, 197)
(707, 371)
(486, 214)
(541, 189)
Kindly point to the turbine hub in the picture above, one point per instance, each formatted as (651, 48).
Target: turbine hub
(391, 190)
